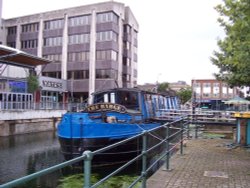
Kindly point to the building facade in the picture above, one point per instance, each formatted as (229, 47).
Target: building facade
(211, 93)
(93, 47)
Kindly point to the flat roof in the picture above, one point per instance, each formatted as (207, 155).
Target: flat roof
(12, 56)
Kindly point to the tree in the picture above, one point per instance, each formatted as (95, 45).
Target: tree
(233, 58)
(163, 87)
(33, 83)
(184, 95)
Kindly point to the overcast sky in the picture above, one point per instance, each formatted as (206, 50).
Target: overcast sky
(176, 37)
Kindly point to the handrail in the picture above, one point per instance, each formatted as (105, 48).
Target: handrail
(88, 155)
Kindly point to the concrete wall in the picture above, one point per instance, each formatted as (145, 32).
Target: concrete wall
(13, 123)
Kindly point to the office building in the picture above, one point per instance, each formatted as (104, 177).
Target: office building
(93, 47)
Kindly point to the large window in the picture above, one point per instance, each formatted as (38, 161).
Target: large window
(79, 20)
(106, 36)
(34, 27)
(56, 58)
(107, 17)
(78, 56)
(79, 39)
(78, 74)
(105, 73)
(106, 55)
(53, 24)
(29, 44)
(52, 74)
(53, 41)
(11, 30)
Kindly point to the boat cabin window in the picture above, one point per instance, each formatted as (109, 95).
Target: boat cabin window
(105, 97)
(128, 99)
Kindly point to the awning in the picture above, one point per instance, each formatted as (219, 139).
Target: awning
(12, 56)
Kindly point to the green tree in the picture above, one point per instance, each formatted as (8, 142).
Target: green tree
(163, 87)
(233, 57)
(33, 83)
(184, 95)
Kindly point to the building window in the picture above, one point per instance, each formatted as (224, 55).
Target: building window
(78, 56)
(105, 73)
(78, 74)
(11, 44)
(106, 55)
(126, 61)
(79, 39)
(79, 20)
(107, 17)
(11, 30)
(56, 58)
(52, 74)
(29, 44)
(27, 28)
(127, 29)
(53, 24)
(126, 77)
(106, 36)
(54, 41)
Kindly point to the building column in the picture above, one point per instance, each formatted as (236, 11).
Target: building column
(64, 49)
(40, 46)
(120, 53)
(92, 56)
(132, 58)
(18, 33)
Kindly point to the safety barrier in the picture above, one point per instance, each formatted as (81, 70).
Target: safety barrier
(175, 134)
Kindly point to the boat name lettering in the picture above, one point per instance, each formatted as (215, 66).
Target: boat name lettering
(115, 107)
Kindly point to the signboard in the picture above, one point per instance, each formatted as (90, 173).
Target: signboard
(52, 84)
(105, 107)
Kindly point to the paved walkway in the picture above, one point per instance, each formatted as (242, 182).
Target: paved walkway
(206, 163)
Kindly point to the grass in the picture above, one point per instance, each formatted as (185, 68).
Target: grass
(77, 180)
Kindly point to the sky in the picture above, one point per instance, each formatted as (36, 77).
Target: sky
(175, 41)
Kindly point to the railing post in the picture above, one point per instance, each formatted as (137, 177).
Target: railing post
(167, 148)
(181, 147)
(144, 159)
(87, 169)
(188, 130)
(196, 131)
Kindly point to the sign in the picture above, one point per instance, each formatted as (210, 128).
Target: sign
(52, 84)
(105, 107)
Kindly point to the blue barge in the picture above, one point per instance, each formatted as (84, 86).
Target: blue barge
(115, 114)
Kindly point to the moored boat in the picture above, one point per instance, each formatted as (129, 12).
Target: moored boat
(115, 114)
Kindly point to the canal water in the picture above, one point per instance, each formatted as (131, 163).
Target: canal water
(21, 155)
(25, 154)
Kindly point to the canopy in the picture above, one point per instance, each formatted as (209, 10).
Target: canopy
(12, 56)
(237, 101)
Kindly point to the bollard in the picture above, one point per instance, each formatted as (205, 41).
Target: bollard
(87, 169)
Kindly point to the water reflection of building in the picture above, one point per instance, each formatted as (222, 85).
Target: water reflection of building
(93, 47)
(210, 93)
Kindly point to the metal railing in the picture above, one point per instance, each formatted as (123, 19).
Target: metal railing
(15, 106)
(170, 142)
(199, 116)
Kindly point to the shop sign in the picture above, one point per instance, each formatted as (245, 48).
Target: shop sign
(52, 84)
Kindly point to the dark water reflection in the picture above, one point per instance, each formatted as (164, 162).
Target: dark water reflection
(25, 154)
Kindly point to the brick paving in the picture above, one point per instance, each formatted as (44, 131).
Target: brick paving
(206, 163)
